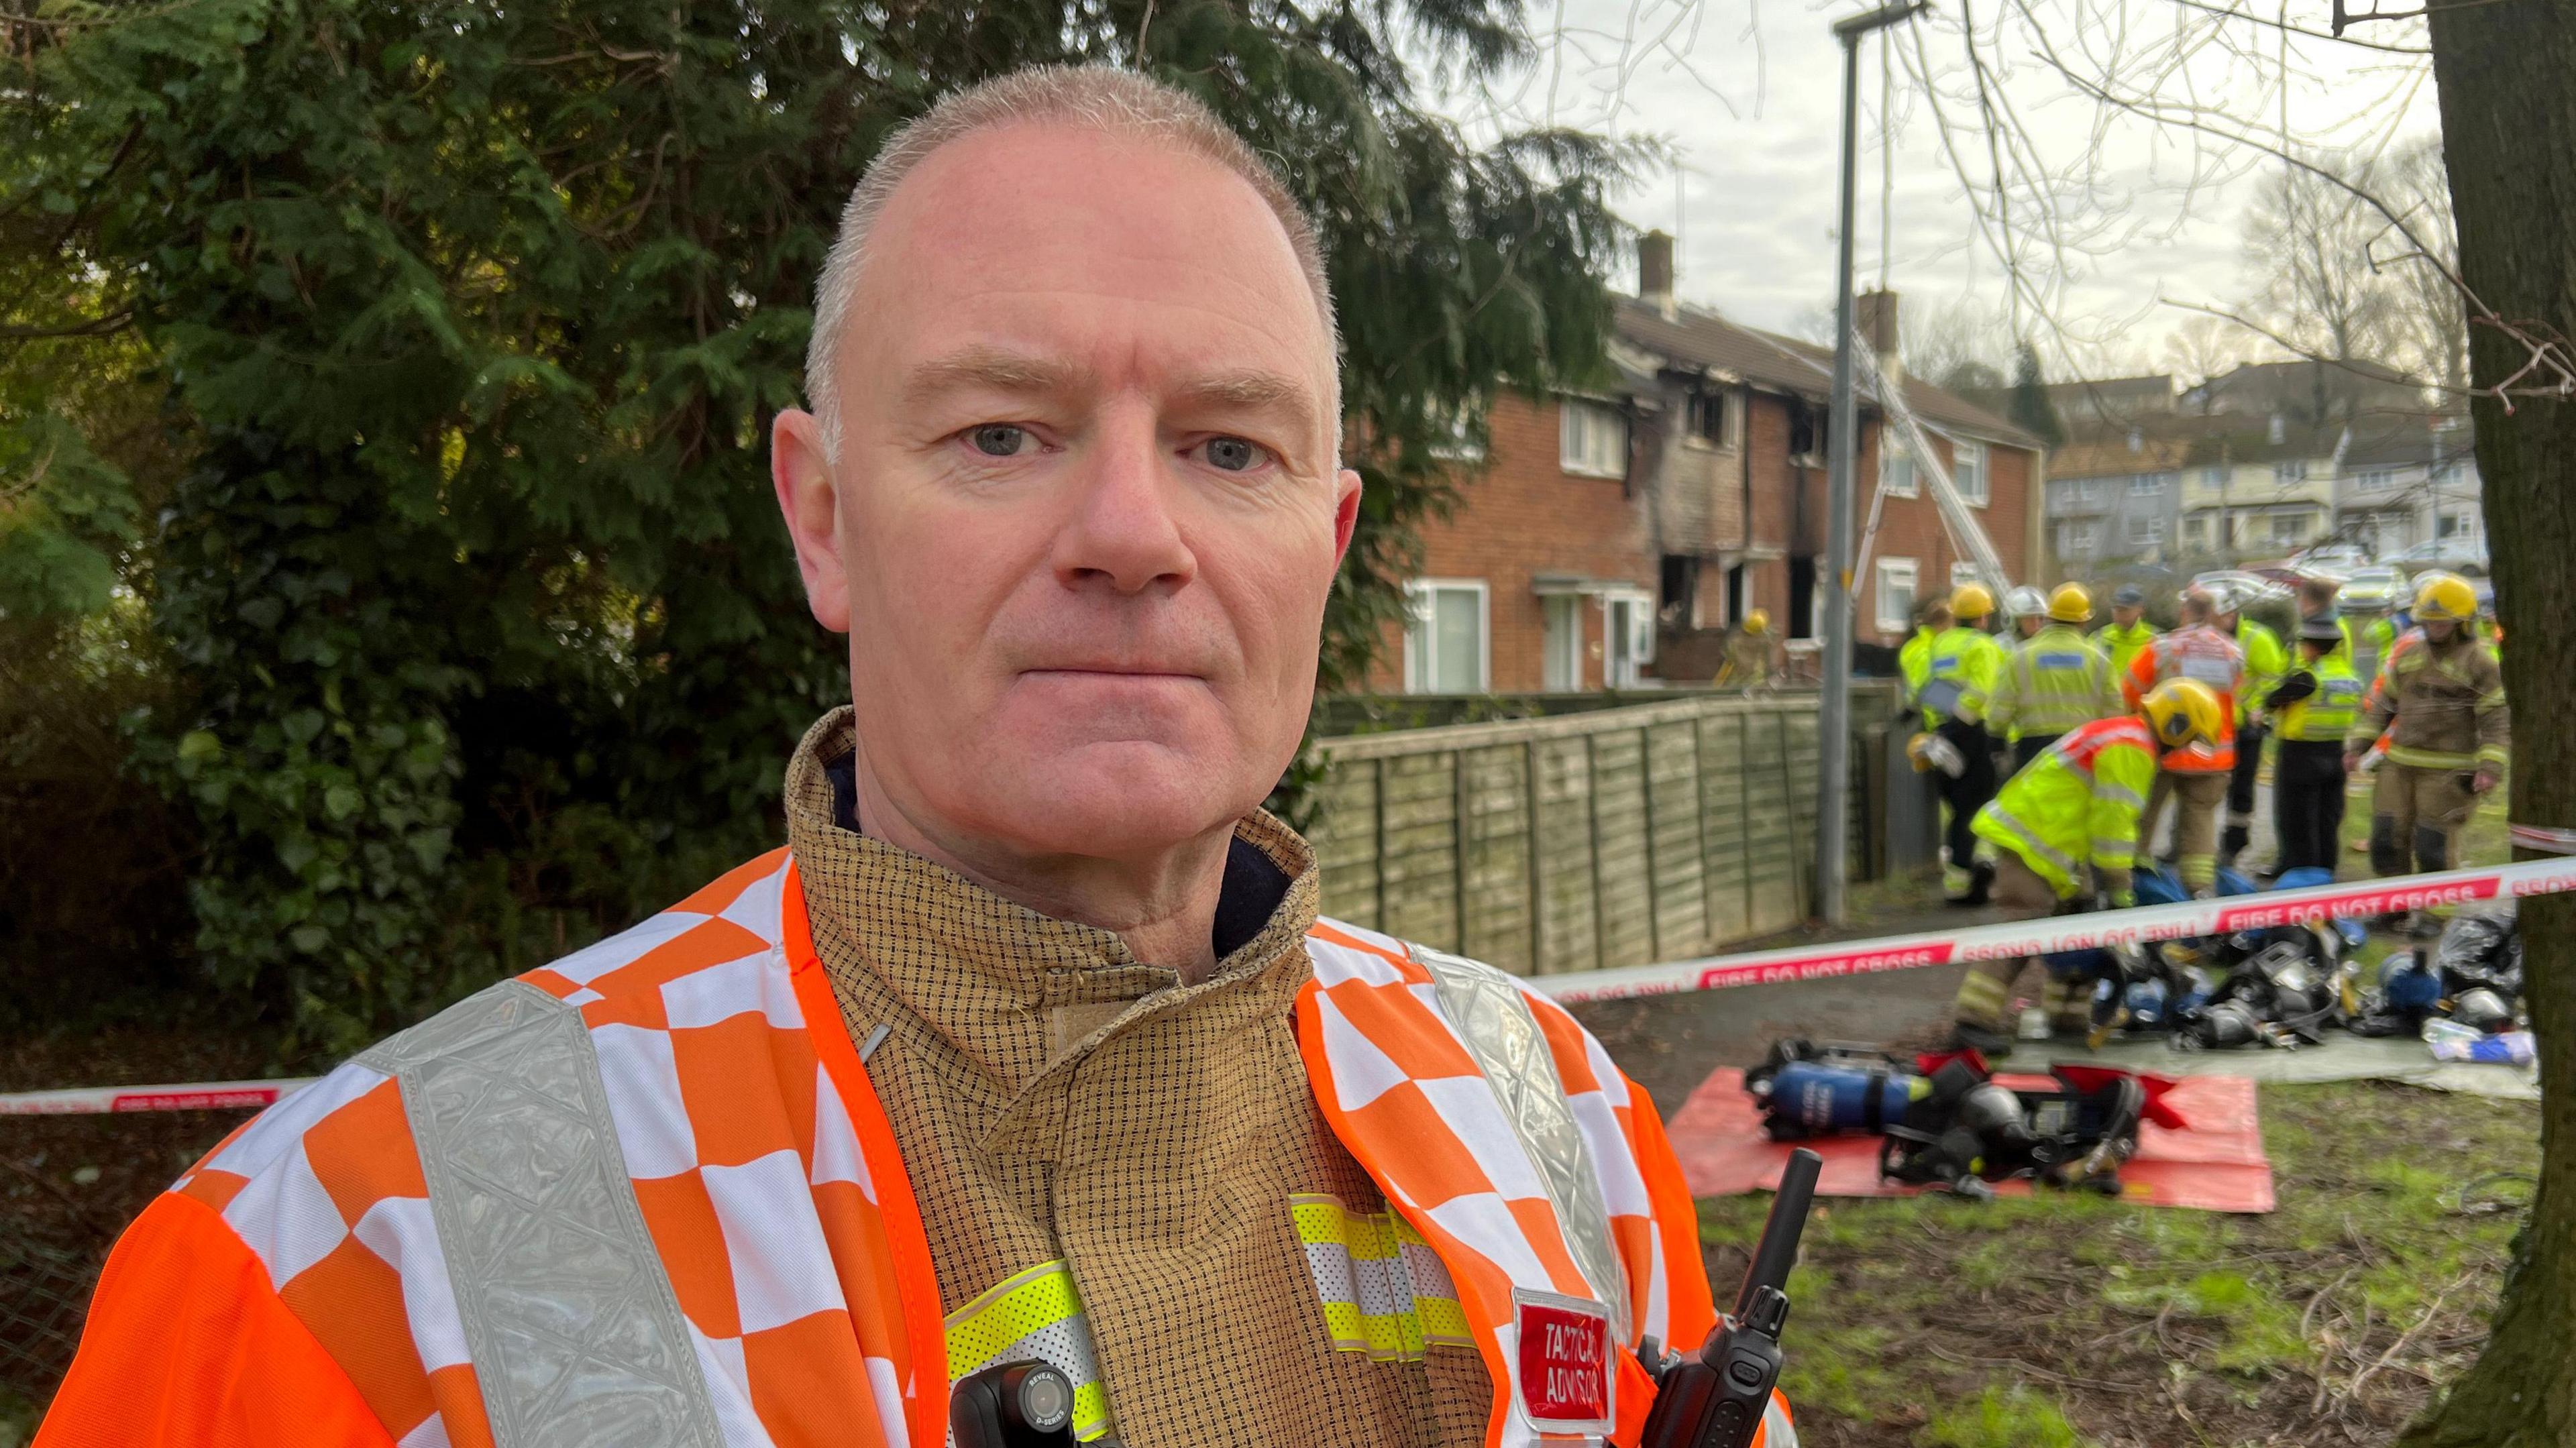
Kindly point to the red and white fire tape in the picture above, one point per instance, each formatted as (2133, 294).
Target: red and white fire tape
(1717, 972)
(195, 1096)
(2068, 932)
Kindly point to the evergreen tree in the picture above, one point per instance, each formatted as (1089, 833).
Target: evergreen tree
(483, 634)
(2029, 407)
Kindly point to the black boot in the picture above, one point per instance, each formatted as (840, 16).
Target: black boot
(1981, 886)
(2232, 842)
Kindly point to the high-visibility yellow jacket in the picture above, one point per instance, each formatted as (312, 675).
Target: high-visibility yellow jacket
(2322, 699)
(2077, 805)
(1969, 658)
(2055, 681)
(2266, 662)
(646, 1195)
(2124, 642)
(2446, 701)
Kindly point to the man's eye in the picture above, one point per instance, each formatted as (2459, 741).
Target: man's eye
(1001, 440)
(1234, 455)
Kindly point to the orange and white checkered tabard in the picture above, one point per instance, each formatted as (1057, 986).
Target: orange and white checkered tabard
(1404, 1094)
(290, 1289)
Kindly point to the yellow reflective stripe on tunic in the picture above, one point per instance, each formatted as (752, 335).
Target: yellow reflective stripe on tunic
(1037, 1314)
(2429, 758)
(1384, 1291)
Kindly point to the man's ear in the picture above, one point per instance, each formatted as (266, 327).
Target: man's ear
(1346, 514)
(809, 496)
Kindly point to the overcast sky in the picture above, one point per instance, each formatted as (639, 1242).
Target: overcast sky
(1749, 94)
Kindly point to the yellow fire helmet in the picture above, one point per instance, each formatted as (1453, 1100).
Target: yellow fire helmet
(2445, 596)
(1757, 620)
(2071, 603)
(2184, 711)
(1970, 602)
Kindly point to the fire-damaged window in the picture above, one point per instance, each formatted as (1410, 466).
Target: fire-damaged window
(1806, 428)
(1710, 418)
(1680, 590)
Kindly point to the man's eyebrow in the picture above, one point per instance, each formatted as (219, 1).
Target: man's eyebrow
(991, 368)
(1254, 391)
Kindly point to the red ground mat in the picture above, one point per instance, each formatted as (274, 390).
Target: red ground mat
(2216, 1164)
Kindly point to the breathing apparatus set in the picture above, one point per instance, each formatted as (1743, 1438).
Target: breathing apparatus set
(1947, 1120)
(2472, 975)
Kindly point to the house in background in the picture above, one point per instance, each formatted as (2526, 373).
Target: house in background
(1609, 538)
(2409, 482)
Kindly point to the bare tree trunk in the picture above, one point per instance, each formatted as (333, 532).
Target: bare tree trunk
(2509, 135)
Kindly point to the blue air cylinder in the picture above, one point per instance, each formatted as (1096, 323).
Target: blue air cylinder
(1820, 1097)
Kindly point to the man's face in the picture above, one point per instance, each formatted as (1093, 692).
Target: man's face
(2439, 630)
(2125, 614)
(1087, 507)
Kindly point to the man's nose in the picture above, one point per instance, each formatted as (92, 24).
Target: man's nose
(1123, 531)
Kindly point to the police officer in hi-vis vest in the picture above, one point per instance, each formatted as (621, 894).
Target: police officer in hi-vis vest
(2311, 712)
(1032, 1045)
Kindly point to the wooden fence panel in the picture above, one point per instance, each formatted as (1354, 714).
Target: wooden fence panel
(1622, 862)
(1494, 787)
(1673, 821)
(1584, 840)
(1421, 860)
(1568, 918)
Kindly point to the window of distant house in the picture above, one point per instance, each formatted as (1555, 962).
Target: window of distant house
(2078, 540)
(1896, 469)
(1963, 573)
(2289, 527)
(1895, 594)
(1444, 636)
(1709, 418)
(1591, 439)
(2375, 480)
(2148, 485)
(1968, 470)
(2292, 470)
(2195, 531)
(2144, 532)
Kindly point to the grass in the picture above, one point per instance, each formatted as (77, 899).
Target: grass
(2062, 1319)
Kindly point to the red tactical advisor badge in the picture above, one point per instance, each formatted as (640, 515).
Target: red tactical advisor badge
(1565, 1361)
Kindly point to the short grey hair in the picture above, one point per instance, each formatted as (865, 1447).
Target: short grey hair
(1092, 97)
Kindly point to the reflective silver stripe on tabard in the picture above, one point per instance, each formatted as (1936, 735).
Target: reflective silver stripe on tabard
(1493, 1019)
(575, 1332)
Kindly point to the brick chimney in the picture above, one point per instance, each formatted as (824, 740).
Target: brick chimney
(1655, 270)
(1874, 313)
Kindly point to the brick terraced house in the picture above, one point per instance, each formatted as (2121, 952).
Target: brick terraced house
(1607, 540)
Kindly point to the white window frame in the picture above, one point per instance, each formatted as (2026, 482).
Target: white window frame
(2297, 531)
(1896, 473)
(2154, 529)
(2288, 471)
(2195, 532)
(1638, 652)
(2079, 538)
(1560, 673)
(1963, 573)
(1458, 442)
(1969, 464)
(1591, 439)
(1421, 638)
(1894, 572)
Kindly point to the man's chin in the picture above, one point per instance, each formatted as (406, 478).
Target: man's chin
(1122, 801)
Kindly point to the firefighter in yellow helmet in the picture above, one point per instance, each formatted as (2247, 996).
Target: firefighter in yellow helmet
(1961, 667)
(1747, 663)
(2064, 836)
(2055, 681)
(2445, 695)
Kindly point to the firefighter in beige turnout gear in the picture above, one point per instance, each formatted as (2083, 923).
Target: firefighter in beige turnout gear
(2444, 694)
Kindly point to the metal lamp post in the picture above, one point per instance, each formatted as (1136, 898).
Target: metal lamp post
(1833, 789)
